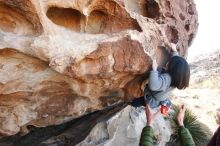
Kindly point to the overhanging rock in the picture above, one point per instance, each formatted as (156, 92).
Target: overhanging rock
(63, 59)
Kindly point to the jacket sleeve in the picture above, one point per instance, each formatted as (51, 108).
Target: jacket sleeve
(185, 137)
(159, 82)
(146, 136)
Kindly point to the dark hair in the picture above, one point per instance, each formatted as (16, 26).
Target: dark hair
(179, 70)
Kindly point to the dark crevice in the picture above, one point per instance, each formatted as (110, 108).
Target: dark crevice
(168, 5)
(187, 27)
(67, 17)
(164, 55)
(190, 9)
(172, 34)
(66, 134)
(99, 20)
(182, 17)
(191, 36)
(152, 9)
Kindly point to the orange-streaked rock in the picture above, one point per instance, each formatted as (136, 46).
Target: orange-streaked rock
(33, 94)
(69, 58)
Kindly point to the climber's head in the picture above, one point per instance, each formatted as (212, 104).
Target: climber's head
(179, 70)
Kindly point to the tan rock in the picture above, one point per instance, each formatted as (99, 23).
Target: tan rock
(100, 50)
(33, 94)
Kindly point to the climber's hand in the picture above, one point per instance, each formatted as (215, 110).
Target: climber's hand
(151, 116)
(154, 65)
(173, 47)
(180, 115)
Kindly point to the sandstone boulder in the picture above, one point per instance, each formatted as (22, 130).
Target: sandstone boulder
(63, 59)
(125, 129)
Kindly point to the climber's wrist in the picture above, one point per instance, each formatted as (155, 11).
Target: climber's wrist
(180, 123)
(149, 123)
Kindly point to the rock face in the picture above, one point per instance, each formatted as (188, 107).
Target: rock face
(63, 59)
(125, 129)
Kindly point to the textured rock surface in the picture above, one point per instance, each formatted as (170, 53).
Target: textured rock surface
(66, 134)
(33, 94)
(125, 129)
(89, 54)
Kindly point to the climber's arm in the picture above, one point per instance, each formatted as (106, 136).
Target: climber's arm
(159, 82)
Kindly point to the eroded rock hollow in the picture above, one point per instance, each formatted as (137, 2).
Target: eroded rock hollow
(61, 59)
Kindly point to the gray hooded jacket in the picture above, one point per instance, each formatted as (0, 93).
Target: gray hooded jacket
(158, 88)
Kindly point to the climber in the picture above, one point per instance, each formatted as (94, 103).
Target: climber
(147, 132)
(161, 84)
